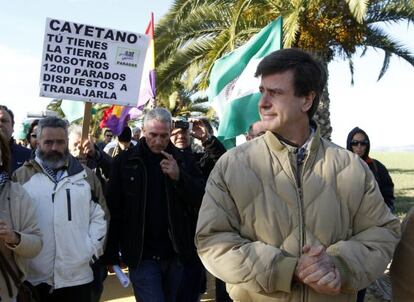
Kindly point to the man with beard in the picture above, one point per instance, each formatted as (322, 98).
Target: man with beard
(69, 201)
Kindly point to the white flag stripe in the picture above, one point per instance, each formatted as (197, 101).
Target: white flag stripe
(247, 83)
(244, 85)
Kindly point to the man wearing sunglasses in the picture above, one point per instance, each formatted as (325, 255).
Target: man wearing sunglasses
(107, 139)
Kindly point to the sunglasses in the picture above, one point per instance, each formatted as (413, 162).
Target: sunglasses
(33, 135)
(356, 143)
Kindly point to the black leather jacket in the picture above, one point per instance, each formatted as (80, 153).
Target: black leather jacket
(127, 199)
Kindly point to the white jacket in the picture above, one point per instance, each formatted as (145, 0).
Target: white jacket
(71, 220)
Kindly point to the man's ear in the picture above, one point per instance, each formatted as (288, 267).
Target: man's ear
(308, 101)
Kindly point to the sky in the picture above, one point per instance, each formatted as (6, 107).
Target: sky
(384, 109)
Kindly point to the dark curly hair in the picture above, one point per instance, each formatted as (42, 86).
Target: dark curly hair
(5, 108)
(32, 125)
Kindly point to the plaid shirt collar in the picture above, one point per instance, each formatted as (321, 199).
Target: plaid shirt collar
(4, 177)
(56, 175)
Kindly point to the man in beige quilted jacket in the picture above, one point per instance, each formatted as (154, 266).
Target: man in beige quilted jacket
(290, 216)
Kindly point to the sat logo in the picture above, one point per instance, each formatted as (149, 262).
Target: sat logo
(127, 57)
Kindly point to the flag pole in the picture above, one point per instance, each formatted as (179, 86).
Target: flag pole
(153, 84)
(87, 116)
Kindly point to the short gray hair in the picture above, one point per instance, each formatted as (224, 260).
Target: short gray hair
(160, 114)
(75, 129)
(51, 122)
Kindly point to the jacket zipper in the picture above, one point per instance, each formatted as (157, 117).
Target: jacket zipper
(54, 192)
(171, 228)
(69, 204)
(54, 236)
(300, 157)
(141, 250)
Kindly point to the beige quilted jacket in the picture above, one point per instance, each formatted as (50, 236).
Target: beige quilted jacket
(255, 218)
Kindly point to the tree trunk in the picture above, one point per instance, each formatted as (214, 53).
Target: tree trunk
(322, 115)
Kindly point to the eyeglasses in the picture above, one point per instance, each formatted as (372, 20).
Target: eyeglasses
(356, 143)
(33, 135)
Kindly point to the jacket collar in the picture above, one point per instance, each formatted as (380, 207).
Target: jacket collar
(282, 151)
(138, 150)
(275, 143)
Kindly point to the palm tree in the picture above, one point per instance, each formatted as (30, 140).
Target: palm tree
(54, 105)
(195, 33)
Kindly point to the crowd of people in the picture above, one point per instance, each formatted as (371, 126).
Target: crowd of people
(286, 216)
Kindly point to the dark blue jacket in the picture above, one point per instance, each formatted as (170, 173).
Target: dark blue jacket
(19, 155)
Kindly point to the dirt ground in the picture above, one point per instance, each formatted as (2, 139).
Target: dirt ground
(114, 292)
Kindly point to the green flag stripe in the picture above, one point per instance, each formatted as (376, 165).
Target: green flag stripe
(229, 143)
(239, 115)
(231, 65)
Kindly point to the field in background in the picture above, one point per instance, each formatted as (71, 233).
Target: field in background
(401, 167)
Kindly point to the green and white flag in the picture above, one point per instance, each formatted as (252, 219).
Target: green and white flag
(73, 110)
(234, 90)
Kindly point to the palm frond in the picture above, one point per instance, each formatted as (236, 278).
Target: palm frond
(181, 60)
(377, 38)
(385, 64)
(364, 51)
(174, 28)
(238, 10)
(391, 11)
(351, 69)
(290, 28)
(358, 9)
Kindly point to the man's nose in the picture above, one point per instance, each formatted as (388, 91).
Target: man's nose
(55, 145)
(264, 101)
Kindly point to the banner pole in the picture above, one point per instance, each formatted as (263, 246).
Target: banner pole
(87, 116)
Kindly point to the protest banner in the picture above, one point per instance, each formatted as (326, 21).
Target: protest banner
(92, 64)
